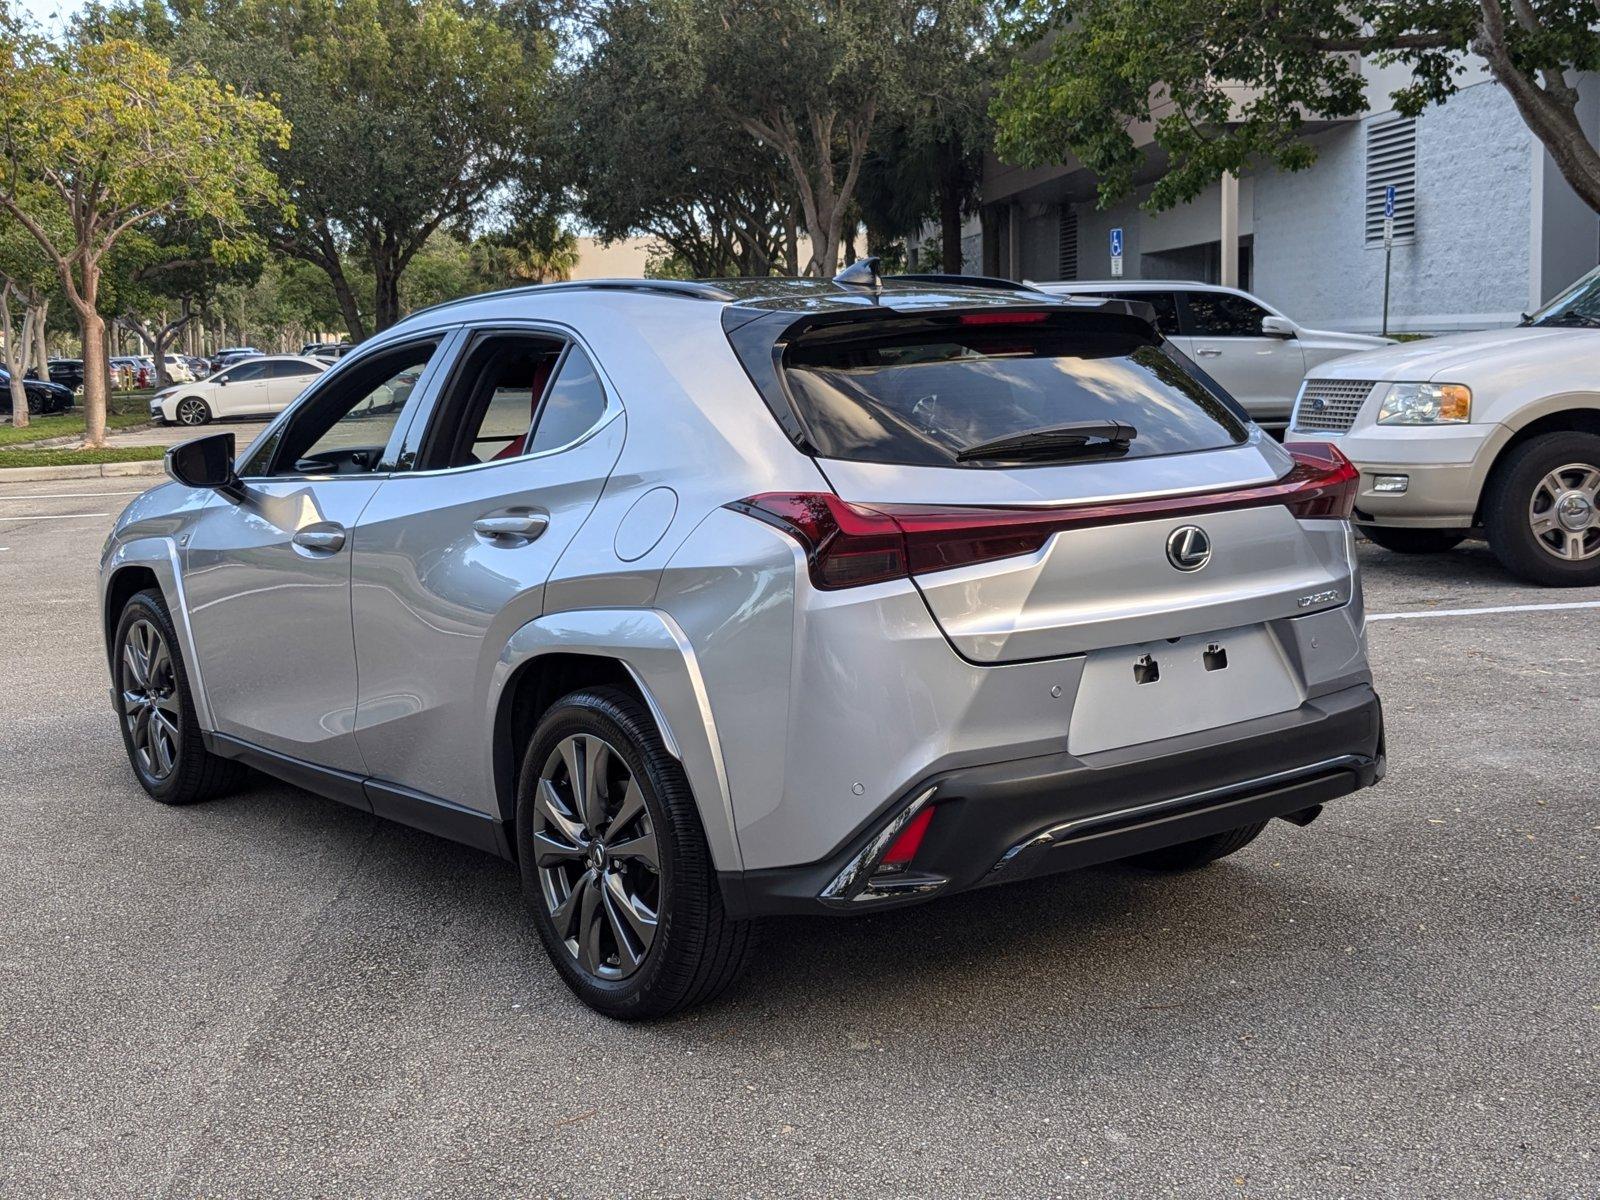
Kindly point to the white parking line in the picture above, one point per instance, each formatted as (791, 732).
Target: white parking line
(66, 495)
(1475, 612)
(55, 516)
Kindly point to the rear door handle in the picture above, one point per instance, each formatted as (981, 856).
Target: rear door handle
(1208, 352)
(511, 527)
(324, 536)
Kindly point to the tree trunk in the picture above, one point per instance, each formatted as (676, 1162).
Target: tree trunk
(41, 351)
(950, 222)
(14, 353)
(95, 397)
(349, 308)
(386, 293)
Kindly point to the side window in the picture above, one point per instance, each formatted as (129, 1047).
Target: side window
(514, 394)
(245, 371)
(575, 404)
(283, 370)
(343, 429)
(494, 396)
(1165, 304)
(1221, 314)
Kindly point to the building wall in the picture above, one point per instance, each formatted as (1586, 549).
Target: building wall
(1498, 230)
(1469, 264)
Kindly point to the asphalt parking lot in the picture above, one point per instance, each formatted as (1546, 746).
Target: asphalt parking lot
(276, 995)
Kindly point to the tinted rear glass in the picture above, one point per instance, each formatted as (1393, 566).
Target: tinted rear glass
(920, 398)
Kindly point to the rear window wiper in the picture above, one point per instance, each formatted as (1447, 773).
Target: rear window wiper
(1058, 441)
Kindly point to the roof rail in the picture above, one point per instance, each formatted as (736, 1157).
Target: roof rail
(671, 287)
(674, 287)
(977, 281)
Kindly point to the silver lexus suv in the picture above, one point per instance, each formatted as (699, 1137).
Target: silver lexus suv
(707, 602)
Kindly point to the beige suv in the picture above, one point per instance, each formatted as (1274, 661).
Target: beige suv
(1497, 432)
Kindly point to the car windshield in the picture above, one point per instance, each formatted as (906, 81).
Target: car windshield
(923, 397)
(1578, 305)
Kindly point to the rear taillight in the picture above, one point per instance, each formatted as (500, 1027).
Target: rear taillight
(848, 545)
(1327, 482)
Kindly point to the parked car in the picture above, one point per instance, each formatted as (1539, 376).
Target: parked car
(226, 358)
(199, 368)
(332, 349)
(1255, 352)
(43, 398)
(1496, 432)
(68, 372)
(178, 369)
(253, 386)
(880, 590)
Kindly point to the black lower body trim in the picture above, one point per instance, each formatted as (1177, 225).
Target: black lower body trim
(416, 809)
(1056, 812)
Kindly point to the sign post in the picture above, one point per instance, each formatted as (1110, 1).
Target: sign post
(1388, 250)
(1116, 253)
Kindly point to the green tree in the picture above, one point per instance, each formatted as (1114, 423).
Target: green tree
(114, 137)
(410, 116)
(927, 162)
(1224, 84)
(642, 154)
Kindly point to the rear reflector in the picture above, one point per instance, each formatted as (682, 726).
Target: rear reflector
(848, 545)
(904, 848)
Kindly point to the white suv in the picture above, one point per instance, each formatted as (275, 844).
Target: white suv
(1256, 353)
(1497, 431)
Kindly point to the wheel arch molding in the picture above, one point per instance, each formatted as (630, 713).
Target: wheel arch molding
(641, 650)
(134, 566)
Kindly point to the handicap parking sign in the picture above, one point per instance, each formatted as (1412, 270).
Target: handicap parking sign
(1116, 241)
(1388, 206)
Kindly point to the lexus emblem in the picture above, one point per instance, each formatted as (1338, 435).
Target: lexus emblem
(1318, 404)
(1188, 547)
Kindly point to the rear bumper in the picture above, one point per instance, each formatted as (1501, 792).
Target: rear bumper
(1055, 812)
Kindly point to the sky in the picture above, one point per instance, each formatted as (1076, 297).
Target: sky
(51, 14)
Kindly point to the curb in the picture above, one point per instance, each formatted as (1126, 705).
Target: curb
(111, 470)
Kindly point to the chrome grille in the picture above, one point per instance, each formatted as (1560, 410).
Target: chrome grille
(1330, 405)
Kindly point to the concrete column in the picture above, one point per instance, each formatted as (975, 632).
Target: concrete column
(1229, 275)
(1014, 242)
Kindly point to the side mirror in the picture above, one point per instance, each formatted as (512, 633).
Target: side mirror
(1277, 327)
(206, 462)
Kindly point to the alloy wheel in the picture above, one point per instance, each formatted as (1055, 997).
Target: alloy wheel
(150, 704)
(597, 858)
(1564, 512)
(192, 411)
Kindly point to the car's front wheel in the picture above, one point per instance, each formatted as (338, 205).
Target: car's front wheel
(615, 865)
(159, 726)
(192, 410)
(1542, 511)
(1413, 541)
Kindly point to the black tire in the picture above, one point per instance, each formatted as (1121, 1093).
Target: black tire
(1510, 496)
(192, 411)
(697, 950)
(196, 774)
(1186, 856)
(1413, 541)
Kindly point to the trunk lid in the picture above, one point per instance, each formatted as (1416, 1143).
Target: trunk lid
(1108, 580)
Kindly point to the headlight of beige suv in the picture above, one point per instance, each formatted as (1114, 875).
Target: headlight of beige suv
(1426, 404)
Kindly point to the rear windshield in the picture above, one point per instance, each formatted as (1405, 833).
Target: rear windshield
(922, 397)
